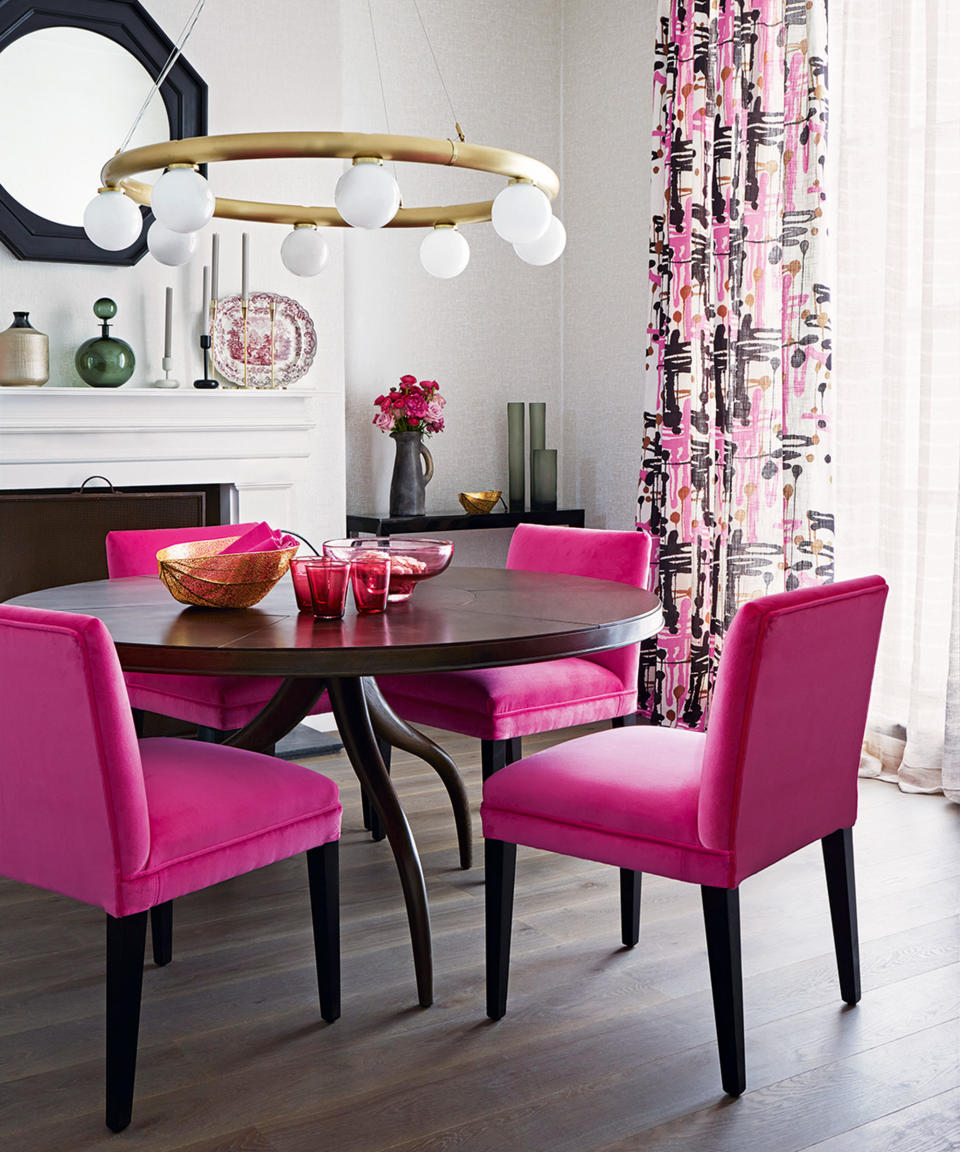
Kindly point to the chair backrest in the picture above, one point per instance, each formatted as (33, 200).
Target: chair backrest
(73, 811)
(134, 553)
(623, 557)
(787, 720)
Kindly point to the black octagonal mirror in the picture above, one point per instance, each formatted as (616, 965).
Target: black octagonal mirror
(73, 76)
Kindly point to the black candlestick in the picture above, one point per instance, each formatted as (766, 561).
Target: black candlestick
(207, 381)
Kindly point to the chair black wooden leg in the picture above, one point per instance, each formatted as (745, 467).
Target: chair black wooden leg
(842, 892)
(138, 721)
(323, 871)
(497, 754)
(371, 818)
(721, 919)
(126, 940)
(630, 882)
(628, 721)
(161, 933)
(500, 864)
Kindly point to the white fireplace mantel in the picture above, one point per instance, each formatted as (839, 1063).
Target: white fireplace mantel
(282, 451)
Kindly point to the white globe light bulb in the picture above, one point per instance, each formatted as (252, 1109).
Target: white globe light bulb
(367, 196)
(304, 251)
(547, 248)
(112, 221)
(521, 213)
(182, 200)
(170, 248)
(444, 253)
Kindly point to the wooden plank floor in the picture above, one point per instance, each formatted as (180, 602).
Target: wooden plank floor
(602, 1049)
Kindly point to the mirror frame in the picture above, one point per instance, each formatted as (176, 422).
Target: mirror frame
(32, 237)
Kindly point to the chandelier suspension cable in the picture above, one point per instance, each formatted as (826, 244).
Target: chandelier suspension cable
(376, 53)
(165, 70)
(436, 64)
(383, 93)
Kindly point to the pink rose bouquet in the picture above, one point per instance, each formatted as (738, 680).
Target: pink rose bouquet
(413, 407)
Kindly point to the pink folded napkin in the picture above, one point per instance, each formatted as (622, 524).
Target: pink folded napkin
(261, 538)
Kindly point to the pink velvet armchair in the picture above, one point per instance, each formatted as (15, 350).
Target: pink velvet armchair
(499, 706)
(89, 811)
(776, 770)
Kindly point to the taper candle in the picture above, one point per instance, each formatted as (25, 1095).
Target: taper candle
(168, 324)
(215, 267)
(205, 317)
(244, 265)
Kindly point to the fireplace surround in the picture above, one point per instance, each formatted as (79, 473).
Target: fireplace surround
(252, 455)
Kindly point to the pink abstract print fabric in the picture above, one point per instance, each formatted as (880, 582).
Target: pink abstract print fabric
(735, 482)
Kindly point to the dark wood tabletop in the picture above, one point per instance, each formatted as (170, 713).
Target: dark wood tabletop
(464, 618)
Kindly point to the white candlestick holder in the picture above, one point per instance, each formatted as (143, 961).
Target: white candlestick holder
(166, 381)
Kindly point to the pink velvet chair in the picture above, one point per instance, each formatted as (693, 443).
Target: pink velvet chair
(776, 770)
(88, 811)
(218, 705)
(499, 706)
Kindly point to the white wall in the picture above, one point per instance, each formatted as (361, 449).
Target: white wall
(570, 84)
(607, 77)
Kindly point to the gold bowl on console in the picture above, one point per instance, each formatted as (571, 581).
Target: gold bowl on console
(194, 573)
(476, 503)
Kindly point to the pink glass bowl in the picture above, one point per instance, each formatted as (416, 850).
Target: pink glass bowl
(413, 558)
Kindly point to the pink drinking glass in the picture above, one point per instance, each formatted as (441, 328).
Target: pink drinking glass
(370, 576)
(327, 579)
(301, 586)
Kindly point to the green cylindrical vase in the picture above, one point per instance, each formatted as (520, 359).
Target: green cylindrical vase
(543, 482)
(516, 456)
(538, 435)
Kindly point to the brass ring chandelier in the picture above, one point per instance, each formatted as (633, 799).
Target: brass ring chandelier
(119, 170)
(367, 196)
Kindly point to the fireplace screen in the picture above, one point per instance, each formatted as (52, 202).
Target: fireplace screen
(54, 537)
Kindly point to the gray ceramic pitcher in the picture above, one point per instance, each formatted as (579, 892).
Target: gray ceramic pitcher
(407, 495)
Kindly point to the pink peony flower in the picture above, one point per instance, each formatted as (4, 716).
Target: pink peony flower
(413, 406)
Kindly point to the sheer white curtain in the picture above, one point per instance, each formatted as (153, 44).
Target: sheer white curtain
(895, 92)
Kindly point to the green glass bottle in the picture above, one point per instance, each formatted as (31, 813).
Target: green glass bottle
(104, 361)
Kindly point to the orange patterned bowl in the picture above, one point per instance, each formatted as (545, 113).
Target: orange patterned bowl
(195, 574)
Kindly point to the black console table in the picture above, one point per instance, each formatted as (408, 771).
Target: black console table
(458, 522)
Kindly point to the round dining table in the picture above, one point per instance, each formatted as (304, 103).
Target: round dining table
(464, 618)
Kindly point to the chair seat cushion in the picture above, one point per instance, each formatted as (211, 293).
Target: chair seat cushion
(499, 703)
(216, 812)
(222, 702)
(626, 797)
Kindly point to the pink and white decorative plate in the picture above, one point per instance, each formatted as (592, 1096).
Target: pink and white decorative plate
(276, 346)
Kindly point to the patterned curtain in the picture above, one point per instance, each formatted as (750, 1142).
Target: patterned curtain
(735, 482)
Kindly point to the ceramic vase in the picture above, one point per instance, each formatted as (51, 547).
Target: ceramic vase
(24, 354)
(410, 479)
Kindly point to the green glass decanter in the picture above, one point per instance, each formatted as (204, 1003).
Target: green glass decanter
(104, 361)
